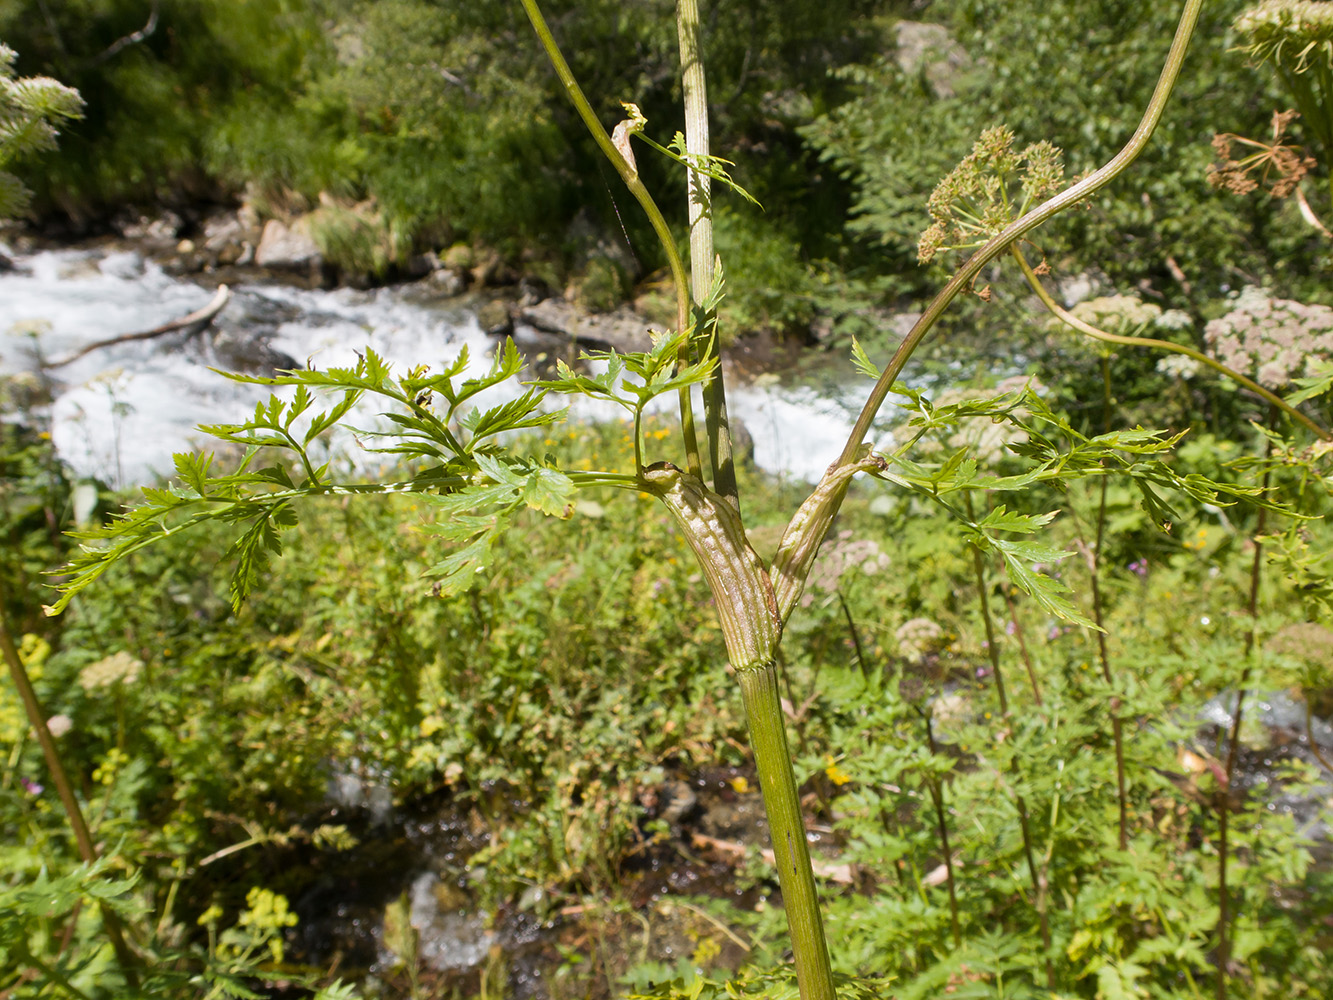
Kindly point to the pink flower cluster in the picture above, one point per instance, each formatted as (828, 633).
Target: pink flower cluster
(1273, 340)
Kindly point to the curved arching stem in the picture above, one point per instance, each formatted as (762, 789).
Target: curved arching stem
(1094, 182)
(630, 175)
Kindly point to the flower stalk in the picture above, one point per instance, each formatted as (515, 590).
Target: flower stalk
(73, 813)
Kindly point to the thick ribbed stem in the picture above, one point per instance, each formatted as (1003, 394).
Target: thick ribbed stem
(777, 780)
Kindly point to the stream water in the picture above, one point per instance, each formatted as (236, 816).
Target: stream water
(120, 412)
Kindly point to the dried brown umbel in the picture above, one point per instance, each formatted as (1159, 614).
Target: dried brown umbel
(1277, 166)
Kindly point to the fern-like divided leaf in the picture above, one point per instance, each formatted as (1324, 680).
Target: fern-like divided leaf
(475, 516)
(1054, 453)
(654, 374)
(461, 471)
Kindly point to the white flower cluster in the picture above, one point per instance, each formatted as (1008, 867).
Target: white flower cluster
(1121, 314)
(1291, 33)
(1174, 319)
(839, 557)
(1178, 366)
(917, 637)
(1302, 20)
(1275, 340)
(117, 668)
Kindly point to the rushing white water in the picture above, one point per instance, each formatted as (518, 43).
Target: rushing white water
(120, 412)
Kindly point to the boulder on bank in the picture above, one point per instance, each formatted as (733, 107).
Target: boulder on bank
(287, 247)
(931, 50)
(622, 330)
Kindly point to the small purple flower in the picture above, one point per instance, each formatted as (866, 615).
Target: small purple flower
(31, 787)
(1139, 567)
(1054, 632)
(983, 672)
(1010, 627)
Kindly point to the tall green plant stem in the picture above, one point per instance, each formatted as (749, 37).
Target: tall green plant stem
(1020, 635)
(1233, 747)
(1065, 316)
(630, 175)
(1020, 803)
(748, 611)
(782, 803)
(942, 825)
(997, 245)
(1094, 573)
(73, 813)
(695, 87)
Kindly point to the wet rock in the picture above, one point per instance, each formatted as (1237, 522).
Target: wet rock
(494, 318)
(491, 270)
(447, 283)
(459, 257)
(289, 248)
(623, 329)
(421, 264)
(228, 237)
(680, 800)
(532, 290)
(159, 233)
(249, 354)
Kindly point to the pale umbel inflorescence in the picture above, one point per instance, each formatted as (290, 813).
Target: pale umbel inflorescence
(1276, 340)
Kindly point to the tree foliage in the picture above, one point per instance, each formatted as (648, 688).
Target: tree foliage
(30, 111)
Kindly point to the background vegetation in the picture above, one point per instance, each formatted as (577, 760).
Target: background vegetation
(445, 115)
(551, 705)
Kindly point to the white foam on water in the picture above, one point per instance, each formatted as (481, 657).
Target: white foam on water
(120, 413)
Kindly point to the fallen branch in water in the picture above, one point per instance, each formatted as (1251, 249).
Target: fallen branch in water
(198, 319)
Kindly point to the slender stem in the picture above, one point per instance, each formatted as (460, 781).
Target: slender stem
(1023, 646)
(694, 85)
(937, 793)
(992, 643)
(1094, 572)
(1015, 230)
(777, 780)
(856, 637)
(73, 813)
(1165, 345)
(993, 651)
(1224, 798)
(630, 176)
